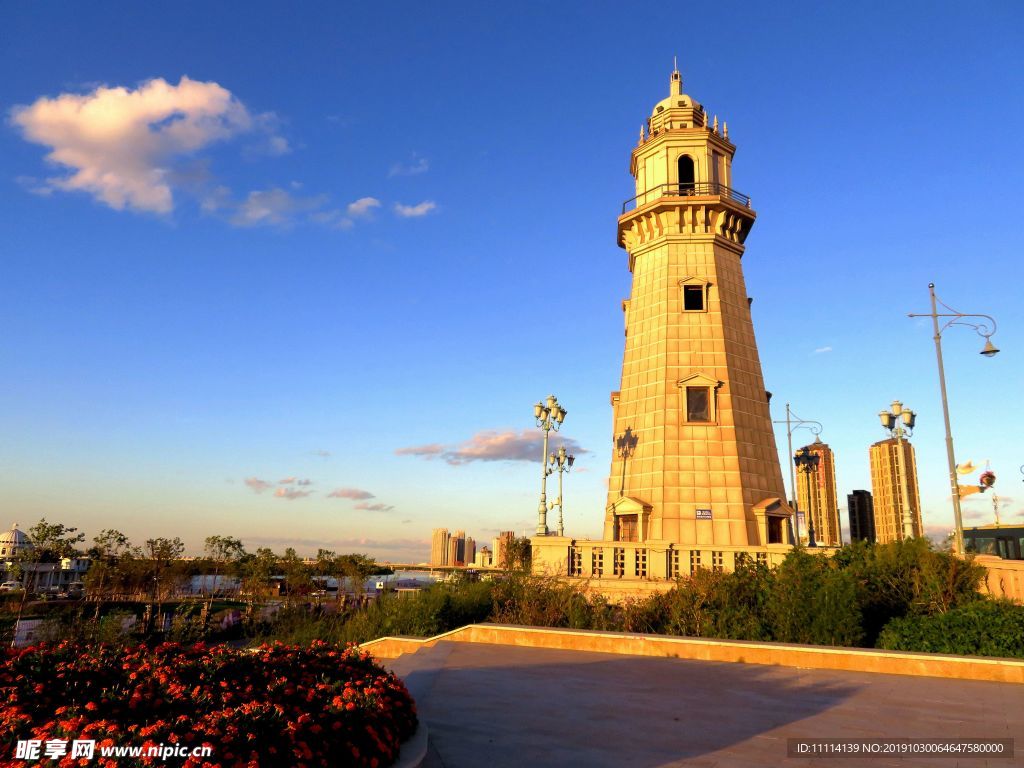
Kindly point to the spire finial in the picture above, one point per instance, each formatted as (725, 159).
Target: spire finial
(676, 81)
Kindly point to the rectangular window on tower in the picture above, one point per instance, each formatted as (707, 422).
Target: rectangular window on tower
(698, 404)
(693, 298)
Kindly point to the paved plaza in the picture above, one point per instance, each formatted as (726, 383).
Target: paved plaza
(505, 706)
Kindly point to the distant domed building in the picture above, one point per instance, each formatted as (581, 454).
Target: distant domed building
(14, 542)
(19, 567)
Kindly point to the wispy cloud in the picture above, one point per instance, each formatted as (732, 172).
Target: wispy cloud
(257, 485)
(415, 167)
(350, 493)
(822, 350)
(271, 207)
(431, 449)
(491, 445)
(415, 211)
(290, 493)
(122, 145)
(323, 454)
(375, 507)
(362, 207)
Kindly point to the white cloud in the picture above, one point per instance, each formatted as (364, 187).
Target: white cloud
(417, 166)
(274, 207)
(415, 211)
(822, 350)
(121, 145)
(363, 206)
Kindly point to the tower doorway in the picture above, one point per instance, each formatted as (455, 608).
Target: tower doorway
(686, 175)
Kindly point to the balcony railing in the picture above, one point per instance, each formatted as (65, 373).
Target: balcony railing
(695, 189)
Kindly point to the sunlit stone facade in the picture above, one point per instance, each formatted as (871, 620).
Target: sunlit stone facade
(695, 477)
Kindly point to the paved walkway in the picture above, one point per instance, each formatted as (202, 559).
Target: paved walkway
(505, 707)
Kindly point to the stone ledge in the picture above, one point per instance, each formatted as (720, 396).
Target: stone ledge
(734, 651)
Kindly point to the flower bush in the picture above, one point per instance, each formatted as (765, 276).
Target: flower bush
(276, 705)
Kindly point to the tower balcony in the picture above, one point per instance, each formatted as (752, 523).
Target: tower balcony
(700, 189)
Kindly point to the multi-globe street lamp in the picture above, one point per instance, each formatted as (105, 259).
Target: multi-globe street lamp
(793, 422)
(899, 421)
(549, 416)
(989, 350)
(806, 461)
(561, 462)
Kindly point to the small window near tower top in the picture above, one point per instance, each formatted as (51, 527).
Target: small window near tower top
(693, 298)
(698, 404)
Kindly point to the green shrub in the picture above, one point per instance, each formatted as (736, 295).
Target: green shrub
(814, 600)
(982, 628)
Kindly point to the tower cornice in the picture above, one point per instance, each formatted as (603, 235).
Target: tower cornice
(713, 216)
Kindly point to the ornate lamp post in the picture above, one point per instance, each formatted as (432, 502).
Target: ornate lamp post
(548, 417)
(982, 329)
(562, 462)
(795, 422)
(899, 422)
(807, 461)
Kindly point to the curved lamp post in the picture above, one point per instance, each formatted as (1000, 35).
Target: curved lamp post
(549, 416)
(562, 462)
(983, 330)
(795, 422)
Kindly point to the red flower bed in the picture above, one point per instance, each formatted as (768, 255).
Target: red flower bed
(278, 706)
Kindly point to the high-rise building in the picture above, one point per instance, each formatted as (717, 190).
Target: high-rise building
(695, 465)
(895, 492)
(457, 548)
(439, 547)
(816, 496)
(469, 555)
(500, 549)
(862, 516)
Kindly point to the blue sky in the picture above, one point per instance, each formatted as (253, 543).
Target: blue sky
(378, 229)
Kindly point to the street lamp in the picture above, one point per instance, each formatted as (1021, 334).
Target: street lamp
(806, 461)
(562, 462)
(989, 350)
(549, 416)
(900, 421)
(795, 422)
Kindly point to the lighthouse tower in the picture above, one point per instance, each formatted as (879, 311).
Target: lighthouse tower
(695, 478)
(695, 461)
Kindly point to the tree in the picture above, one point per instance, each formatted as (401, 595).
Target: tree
(296, 575)
(162, 554)
(357, 568)
(54, 541)
(225, 552)
(106, 552)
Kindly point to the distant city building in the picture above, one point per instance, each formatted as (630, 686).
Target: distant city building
(17, 564)
(483, 558)
(500, 548)
(894, 489)
(439, 547)
(457, 549)
(469, 556)
(816, 496)
(862, 516)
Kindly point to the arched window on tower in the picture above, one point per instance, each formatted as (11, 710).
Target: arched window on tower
(686, 177)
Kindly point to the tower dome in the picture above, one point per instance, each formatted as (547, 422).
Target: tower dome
(14, 541)
(676, 112)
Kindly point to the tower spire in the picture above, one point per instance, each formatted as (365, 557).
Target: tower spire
(675, 86)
